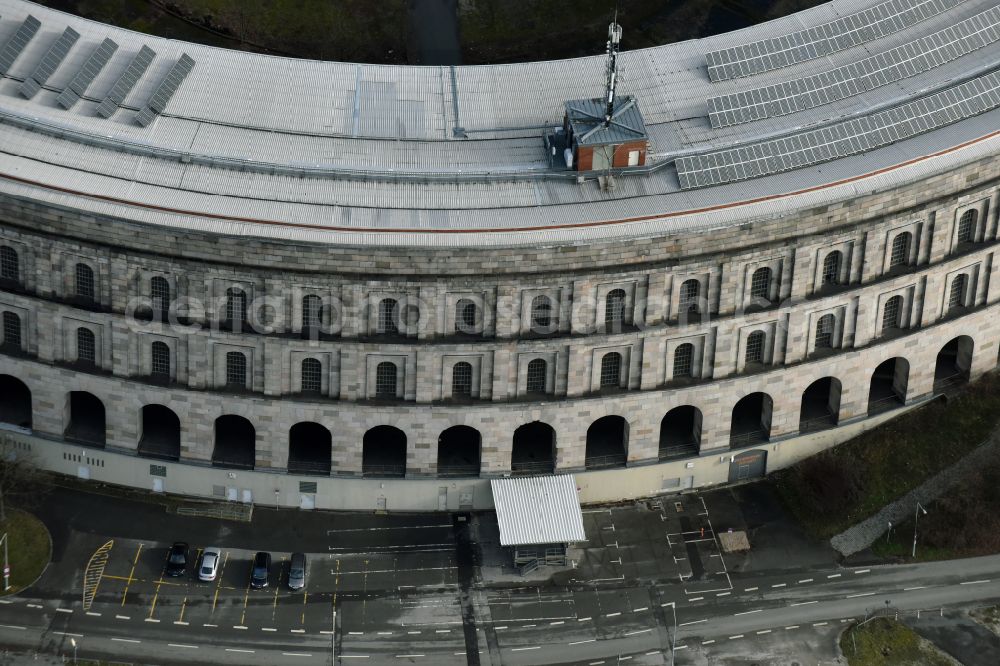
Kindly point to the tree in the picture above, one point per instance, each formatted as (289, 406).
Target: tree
(21, 481)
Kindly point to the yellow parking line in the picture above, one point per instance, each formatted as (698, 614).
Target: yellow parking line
(305, 595)
(131, 573)
(218, 582)
(156, 595)
(183, 608)
(94, 572)
(246, 598)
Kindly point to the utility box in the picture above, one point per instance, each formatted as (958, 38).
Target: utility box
(589, 140)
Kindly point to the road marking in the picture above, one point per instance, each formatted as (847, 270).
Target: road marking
(806, 580)
(13, 626)
(405, 656)
(589, 640)
(723, 594)
(126, 640)
(131, 574)
(5, 601)
(805, 603)
(64, 610)
(639, 610)
(862, 594)
(584, 619)
(521, 649)
(861, 571)
(637, 632)
(448, 631)
(268, 629)
(239, 650)
(182, 645)
(695, 599)
(209, 625)
(750, 589)
(791, 626)
(417, 632)
(181, 623)
(918, 587)
(239, 626)
(684, 624)
(66, 633)
(384, 633)
(93, 573)
(733, 638)
(93, 614)
(151, 619)
(708, 642)
(763, 631)
(296, 654)
(819, 624)
(365, 656)
(973, 582)
(612, 614)
(779, 585)
(123, 617)
(750, 612)
(552, 624)
(297, 631)
(834, 576)
(35, 606)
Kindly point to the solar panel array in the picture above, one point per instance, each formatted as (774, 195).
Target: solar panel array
(842, 139)
(821, 40)
(168, 86)
(899, 63)
(140, 63)
(87, 73)
(12, 49)
(49, 63)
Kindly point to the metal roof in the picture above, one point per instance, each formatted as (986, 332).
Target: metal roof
(533, 510)
(587, 119)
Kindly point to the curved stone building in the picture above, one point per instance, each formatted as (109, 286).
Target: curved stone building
(362, 286)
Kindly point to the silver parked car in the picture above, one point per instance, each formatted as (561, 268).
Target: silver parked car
(210, 561)
(297, 572)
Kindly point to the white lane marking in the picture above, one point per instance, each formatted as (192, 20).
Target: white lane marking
(326, 631)
(696, 598)
(355, 633)
(66, 633)
(552, 624)
(806, 580)
(819, 624)
(791, 626)
(64, 610)
(268, 629)
(239, 626)
(151, 619)
(974, 582)
(763, 631)
(708, 642)
(13, 626)
(861, 571)
(637, 632)
(676, 647)
(122, 617)
(862, 594)
(805, 603)
(723, 594)
(589, 640)
(243, 651)
(759, 610)
(779, 585)
(181, 623)
(93, 614)
(834, 576)
(296, 654)
(750, 589)
(639, 610)
(446, 631)
(684, 624)
(209, 625)
(297, 631)
(383, 633)
(733, 638)
(612, 614)
(584, 619)
(35, 606)
(182, 645)
(918, 587)
(126, 640)
(520, 649)
(5, 601)
(365, 656)
(417, 632)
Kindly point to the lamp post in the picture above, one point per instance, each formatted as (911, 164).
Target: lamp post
(73, 642)
(916, 514)
(6, 564)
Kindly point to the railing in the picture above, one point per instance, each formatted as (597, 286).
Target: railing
(678, 451)
(747, 438)
(383, 471)
(818, 423)
(884, 404)
(458, 469)
(311, 467)
(532, 467)
(601, 462)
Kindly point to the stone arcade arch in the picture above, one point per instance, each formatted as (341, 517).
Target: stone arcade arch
(310, 447)
(235, 443)
(15, 402)
(383, 452)
(534, 449)
(607, 443)
(159, 433)
(680, 433)
(953, 363)
(86, 423)
(751, 421)
(820, 405)
(887, 389)
(459, 451)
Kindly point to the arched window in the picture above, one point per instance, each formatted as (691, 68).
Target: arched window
(614, 309)
(967, 226)
(388, 317)
(755, 347)
(312, 376)
(831, 268)
(11, 330)
(541, 314)
(892, 314)
(236, 370)
(683, 357)
(85, 282)
(86, 348)
(159, 295)
(537, 374)
(236, 307)
(10, 265)
(824, 331)
(900, 253)
(160, 360)
(312, 311)
(690, 290)
(611, 369)
(385, 380)
(466, 316)
(461, 380)
(956, 296)
(760, 284)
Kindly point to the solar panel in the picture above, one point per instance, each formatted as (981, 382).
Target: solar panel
(859, 77)
(816, 42)
(842, 139)
(87, 73)
(49, 63)
(140, 63)
(12, 49)
(168, 86)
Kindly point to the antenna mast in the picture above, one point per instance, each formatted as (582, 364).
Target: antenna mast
(614, 42)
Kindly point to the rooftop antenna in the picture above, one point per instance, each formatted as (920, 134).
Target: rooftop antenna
(614, 42)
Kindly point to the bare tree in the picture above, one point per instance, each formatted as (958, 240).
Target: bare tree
(22, 483)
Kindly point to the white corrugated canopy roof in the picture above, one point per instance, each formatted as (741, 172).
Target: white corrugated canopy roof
(538, 510)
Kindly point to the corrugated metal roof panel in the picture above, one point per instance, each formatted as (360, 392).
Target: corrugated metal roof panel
(538, 510)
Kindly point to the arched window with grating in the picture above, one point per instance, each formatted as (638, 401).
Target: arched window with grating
(755, 347)
(899, 255)
(388, 317)
(461, 380)
(611, 370)
(892, 314)
(956, 296)
(236, 308)
(824, 331)
(683, 359)
(312, 312)
(614, 309)
(690, 290)
(11, 330)
(385, 380)
(537, 375)
(466, 316)
(541, 314)
(85, 282)
(86, 348)
(967, 226)
(159, 354)
(831, 268)
(236, 370)
(10, 264)
(159, 295)
(760, 284)
(312, 376)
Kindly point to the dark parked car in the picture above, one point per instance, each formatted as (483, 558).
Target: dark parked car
(177, 559)
(261, 570)
(297, 572)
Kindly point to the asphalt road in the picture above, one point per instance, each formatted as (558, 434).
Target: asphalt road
(410, 589)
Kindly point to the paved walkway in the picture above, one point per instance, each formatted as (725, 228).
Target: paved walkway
(862, 535)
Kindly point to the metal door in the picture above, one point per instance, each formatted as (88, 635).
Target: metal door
(157, 485)
(83, 472)
(748, 465)
(307, 501)
(442, 498)
(465, 499)
(380, 503)
(232, 494)
(246, 496)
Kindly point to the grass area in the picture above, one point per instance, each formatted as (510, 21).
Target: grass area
(885, 642)
(841, 486)
(29, 548)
